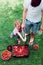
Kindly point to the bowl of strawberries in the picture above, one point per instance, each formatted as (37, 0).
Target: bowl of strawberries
(20, 51)
(6, 55)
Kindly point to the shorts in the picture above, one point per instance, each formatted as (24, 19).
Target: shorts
(12, 34)
(31, 26)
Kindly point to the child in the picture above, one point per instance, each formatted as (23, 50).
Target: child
(17, 31)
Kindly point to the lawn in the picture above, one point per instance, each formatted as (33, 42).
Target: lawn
(8, 15)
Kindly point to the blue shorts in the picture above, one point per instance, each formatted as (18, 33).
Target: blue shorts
(31, 26)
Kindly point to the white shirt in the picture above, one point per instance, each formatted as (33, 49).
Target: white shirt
(33, 13)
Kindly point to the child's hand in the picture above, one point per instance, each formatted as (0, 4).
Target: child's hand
(24, 40)
(23, 25)
(11, 36)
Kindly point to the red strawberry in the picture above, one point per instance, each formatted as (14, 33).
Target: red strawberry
(35, 47)
(9, 48)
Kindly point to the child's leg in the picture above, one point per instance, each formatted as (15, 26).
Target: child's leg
(18, 39)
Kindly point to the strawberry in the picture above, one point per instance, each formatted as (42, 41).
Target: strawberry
(35, 47)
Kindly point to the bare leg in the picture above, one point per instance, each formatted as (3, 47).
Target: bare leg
(18, 41)
(32, 39)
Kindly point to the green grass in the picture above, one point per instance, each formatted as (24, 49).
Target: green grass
(7, 18)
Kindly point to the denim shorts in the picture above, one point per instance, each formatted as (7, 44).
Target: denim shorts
(31, 26)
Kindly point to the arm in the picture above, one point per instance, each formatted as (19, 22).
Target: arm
(25, 5)
(42, 21)
(23, 39)
(24, 16)
(42, 17)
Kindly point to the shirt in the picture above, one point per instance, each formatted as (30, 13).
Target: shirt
(15, 31)
(33, 13)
